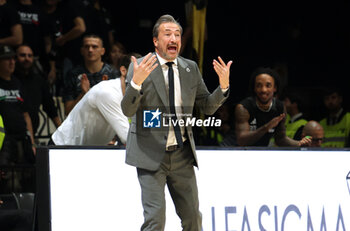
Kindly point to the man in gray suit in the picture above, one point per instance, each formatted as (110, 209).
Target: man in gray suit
(167, 83)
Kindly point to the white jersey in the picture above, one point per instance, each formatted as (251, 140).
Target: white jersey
(96, 118)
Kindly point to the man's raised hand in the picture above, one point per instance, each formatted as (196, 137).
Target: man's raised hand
(223, 71)
(144, 68)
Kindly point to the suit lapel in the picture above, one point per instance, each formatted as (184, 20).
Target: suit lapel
(159, 84)
(185, 82)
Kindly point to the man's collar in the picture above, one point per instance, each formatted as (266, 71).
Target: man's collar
(296, 117)
(339, 112)
(163, 61)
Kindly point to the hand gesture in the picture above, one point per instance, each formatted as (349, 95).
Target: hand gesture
(144, 68)
(275, 121)
(84, 83)
(223, 71)
(60, 41)
(105, 77)
(305, 142)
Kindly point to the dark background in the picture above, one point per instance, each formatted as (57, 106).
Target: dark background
(307, 42)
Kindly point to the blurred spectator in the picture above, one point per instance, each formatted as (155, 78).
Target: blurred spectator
(68, 41)
(18, 146)
(81, 78)
(123, 69)
(2, 134)
(53, 24)
(99, 21)
(261, 116)
(223, 135)
(296, 118)
(336, 125)
(35, 87)
(315, 131)
(117, 50)
(11, 32)
(32, 21)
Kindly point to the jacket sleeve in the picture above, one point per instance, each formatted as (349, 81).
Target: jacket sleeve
(206, 102)
(132, 97)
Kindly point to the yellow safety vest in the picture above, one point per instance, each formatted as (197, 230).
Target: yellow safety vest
(292, 128)
(2, 132)
(216, 135)
(336, 135)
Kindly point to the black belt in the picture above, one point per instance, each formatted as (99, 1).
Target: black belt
(173, 148)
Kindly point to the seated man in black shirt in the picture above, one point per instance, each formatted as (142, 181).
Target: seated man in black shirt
(261, 116)
(81, 78)
(35, 87)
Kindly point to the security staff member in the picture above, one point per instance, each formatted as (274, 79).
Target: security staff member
(2, 132)
(337, 123)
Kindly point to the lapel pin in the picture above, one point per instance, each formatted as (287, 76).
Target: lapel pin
(188, 69)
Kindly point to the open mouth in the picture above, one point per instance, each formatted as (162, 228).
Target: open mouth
(172, 48)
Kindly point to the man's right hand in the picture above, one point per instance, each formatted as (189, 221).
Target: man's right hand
(274, 122)
(144, 68)
(84, 83)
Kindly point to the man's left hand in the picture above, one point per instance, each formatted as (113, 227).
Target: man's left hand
(223, 71)
(305, 142)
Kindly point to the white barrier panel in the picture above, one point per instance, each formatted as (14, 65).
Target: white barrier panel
(238, 190)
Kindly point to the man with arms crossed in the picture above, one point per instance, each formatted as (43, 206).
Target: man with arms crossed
(167, 156)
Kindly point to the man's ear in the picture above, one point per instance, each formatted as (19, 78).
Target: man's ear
(155, 42)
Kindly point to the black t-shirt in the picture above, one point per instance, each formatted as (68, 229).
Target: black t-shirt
(32, 21)
(37, 93)
(69, 10)
(8, 18)
(72, 86)
(257, 117)
(99, 22)
(12, 107)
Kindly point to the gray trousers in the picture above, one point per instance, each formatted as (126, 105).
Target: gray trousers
(177, 172)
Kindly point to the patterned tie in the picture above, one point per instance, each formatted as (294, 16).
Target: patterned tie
(172, 103)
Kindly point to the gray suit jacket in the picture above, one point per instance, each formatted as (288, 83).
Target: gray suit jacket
(145, 147)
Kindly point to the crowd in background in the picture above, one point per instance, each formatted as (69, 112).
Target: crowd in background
(52, 52)
(47, 37)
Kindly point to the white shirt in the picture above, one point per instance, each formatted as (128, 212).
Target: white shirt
(177, 96)
(96, 118)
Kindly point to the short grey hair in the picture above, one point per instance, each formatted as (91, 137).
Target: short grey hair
(164, 19)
